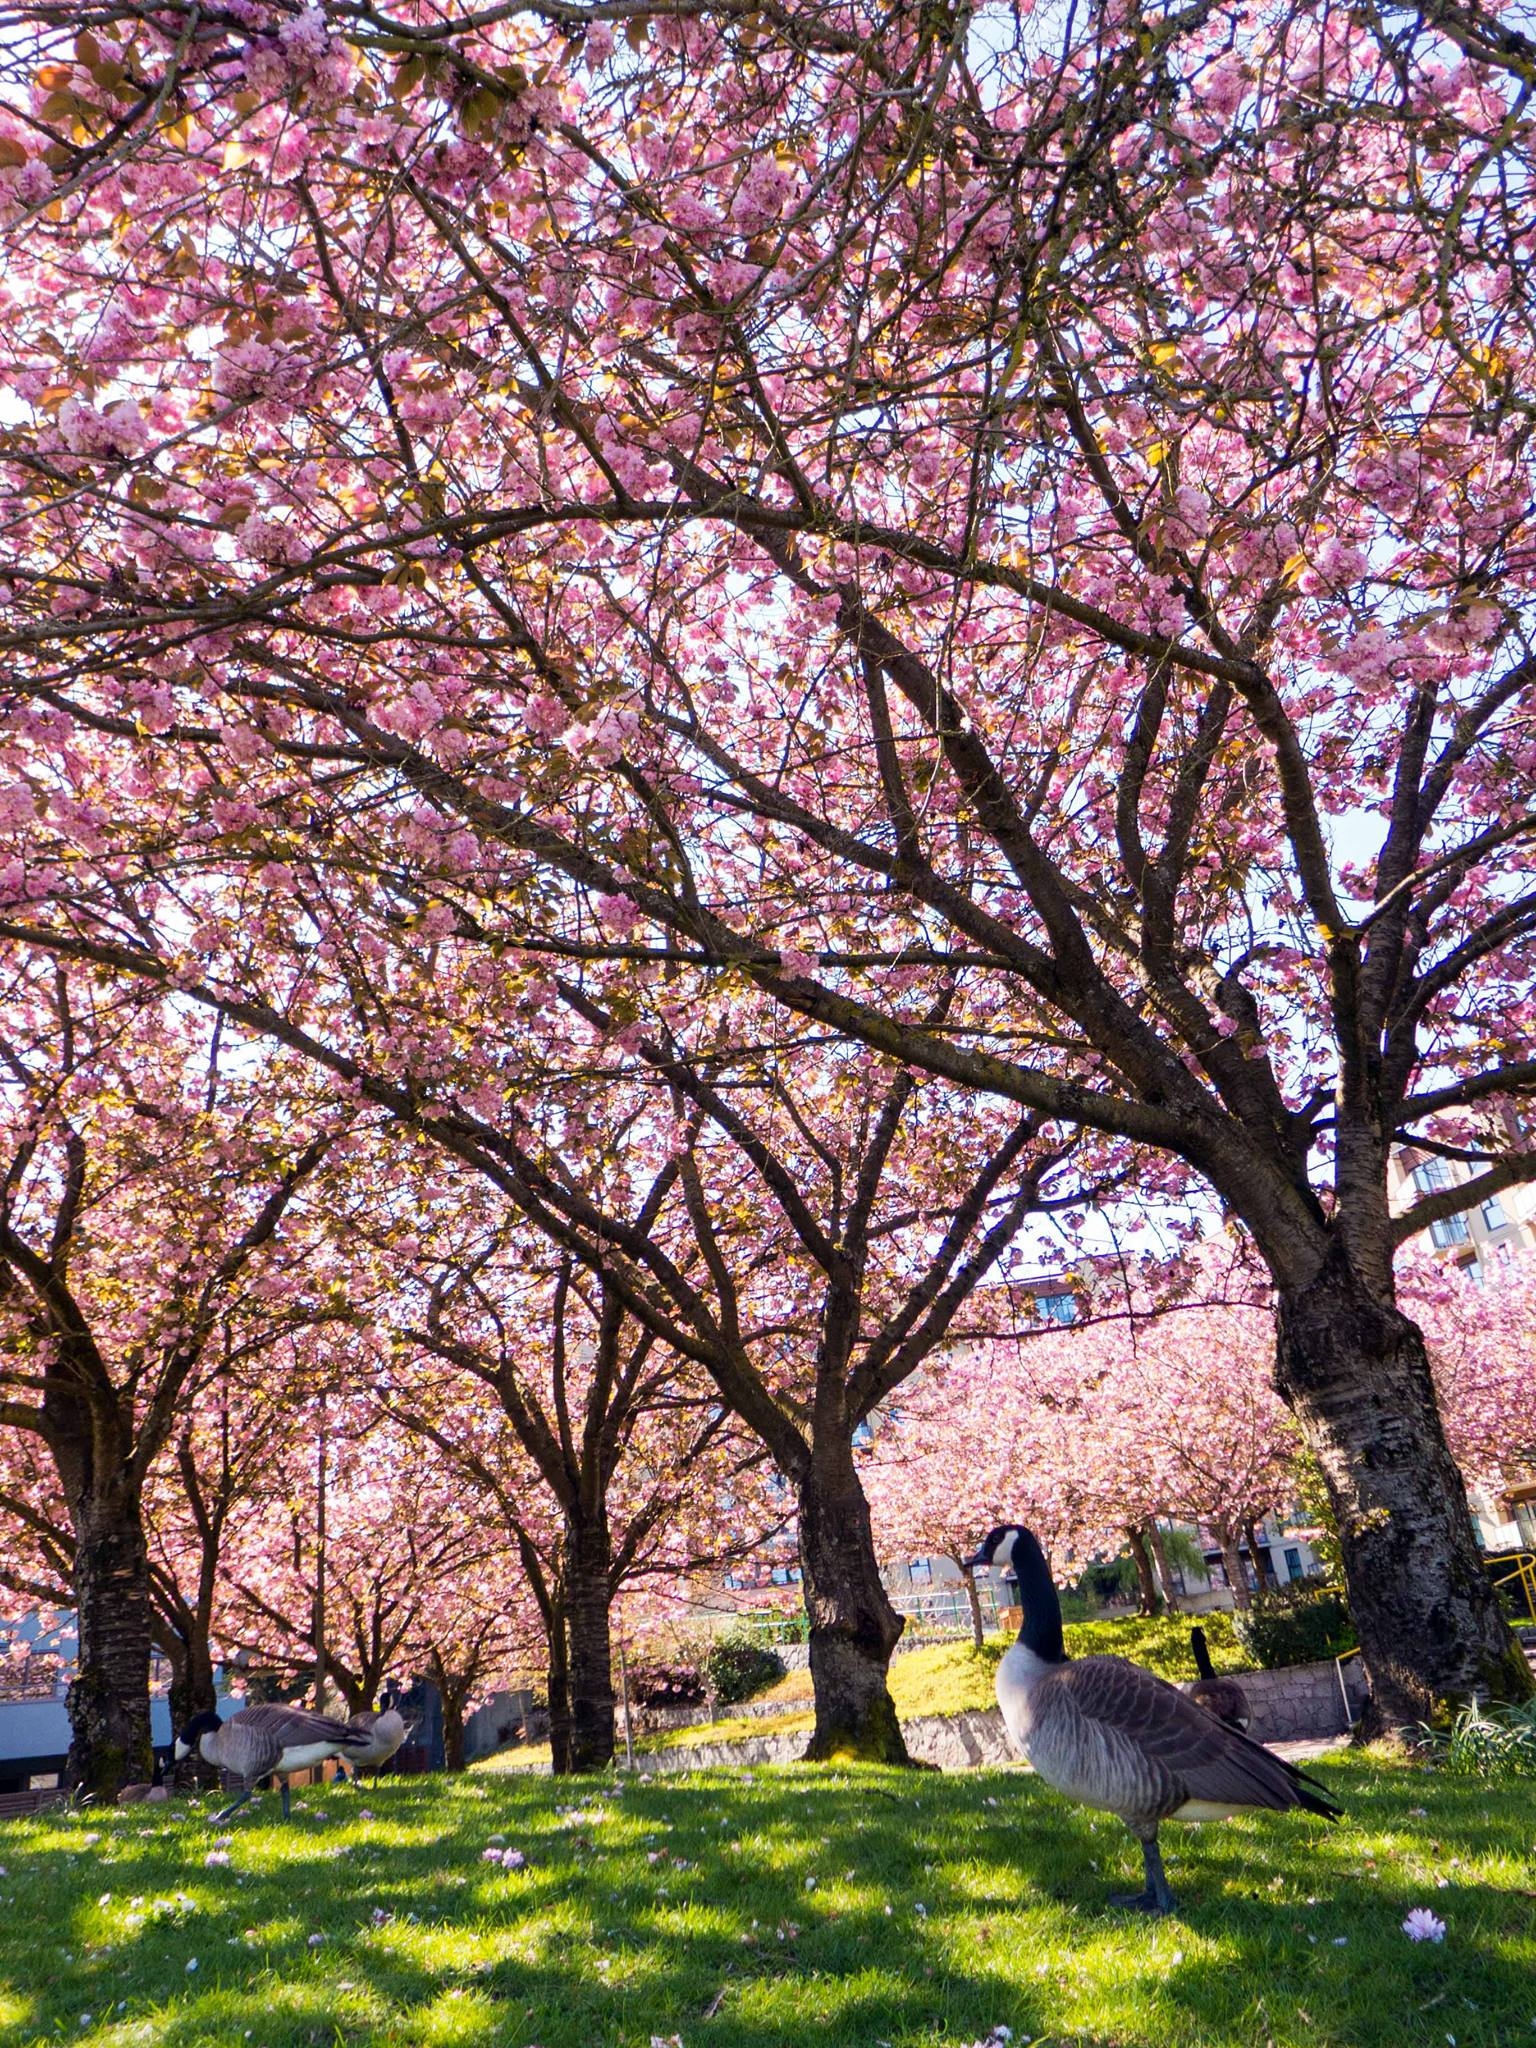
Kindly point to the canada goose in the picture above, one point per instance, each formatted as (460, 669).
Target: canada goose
(385, 1732)
(1112, 1735)
(269, 1741)
(1223, 1697)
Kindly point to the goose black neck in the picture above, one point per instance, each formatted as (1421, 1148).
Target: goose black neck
(1040, 1630)
(1203, 1663)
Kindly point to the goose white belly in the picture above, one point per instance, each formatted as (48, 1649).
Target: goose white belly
(1204, 1809)
(303, 1756)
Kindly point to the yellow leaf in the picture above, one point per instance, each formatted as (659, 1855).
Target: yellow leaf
(1293, 568)
(235, 154)
(1164, 352)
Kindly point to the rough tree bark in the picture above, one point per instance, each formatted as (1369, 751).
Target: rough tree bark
(588, 1606)
(109, 1697)
(558, 1684)
(1150, 1599)
(854, 1627)
(1354, 1370)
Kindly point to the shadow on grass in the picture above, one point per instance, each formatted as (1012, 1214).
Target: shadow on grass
(749, 1911)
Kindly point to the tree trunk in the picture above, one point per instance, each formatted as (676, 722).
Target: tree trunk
(1264, 1578)
(1146, 1578)
(559, 1687)
(192, 1688)
(854, 1627)
(1232, 1558)
(588, 1607)
(453, 1727)
(109, 1698)
(1355, 1372)
(978, 1627)
(1164, 1568)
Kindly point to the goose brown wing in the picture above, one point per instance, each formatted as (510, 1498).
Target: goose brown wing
(1209, 1761)
(292, 1726)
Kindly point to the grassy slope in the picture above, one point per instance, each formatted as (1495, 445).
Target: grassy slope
(950, 1678)
(939, 1908)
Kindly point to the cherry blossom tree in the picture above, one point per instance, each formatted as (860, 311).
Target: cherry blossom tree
(602, 1457)
(141, 1205)
(372, 1565)
(1035, 509)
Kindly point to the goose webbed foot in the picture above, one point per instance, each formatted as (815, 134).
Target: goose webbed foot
(1157, 1898)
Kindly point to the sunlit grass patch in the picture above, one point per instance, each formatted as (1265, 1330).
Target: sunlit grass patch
(746, 1910)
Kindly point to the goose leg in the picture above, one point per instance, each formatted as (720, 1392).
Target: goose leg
(1157, 1898)
(286, 1815)
(234, 1806)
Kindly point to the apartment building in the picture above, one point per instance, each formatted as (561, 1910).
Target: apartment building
(1482, 1238)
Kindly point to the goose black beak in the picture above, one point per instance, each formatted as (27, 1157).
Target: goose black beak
(978, 1561)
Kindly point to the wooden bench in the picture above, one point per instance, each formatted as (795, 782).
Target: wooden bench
(18, 1805)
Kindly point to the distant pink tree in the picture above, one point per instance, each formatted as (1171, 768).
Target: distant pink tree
(1092, 1433)
(1482, 1346)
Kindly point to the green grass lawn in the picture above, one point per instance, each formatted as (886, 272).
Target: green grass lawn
(852, 1907)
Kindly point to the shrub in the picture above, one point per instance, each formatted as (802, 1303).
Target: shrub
(1077, 1606)
(673, 1684)
(1488, 1742)
(1161, 1642)
(735, 1670)
(1108, 1583)
(1297, 1625)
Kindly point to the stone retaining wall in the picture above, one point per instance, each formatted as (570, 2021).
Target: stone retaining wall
(1298, 1704)
(1302, 1701)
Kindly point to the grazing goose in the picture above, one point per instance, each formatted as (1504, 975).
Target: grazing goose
(1107, 1733)
(1223, 1697)
(261, 1742)
(385, 1732)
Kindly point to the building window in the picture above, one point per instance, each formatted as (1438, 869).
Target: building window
(1525, 1521)
(920, 1571)
(1493, 1214)
(1293, 1564)
(1056, 1308)
(1448, 1230)
(1432, 1176)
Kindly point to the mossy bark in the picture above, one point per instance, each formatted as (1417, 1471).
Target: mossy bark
(854, 1627)
(1355, 1372)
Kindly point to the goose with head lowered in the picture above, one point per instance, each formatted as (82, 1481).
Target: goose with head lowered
(385, 1731)
(1223, 1697)
(1110, 1734)
(267, 1742)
